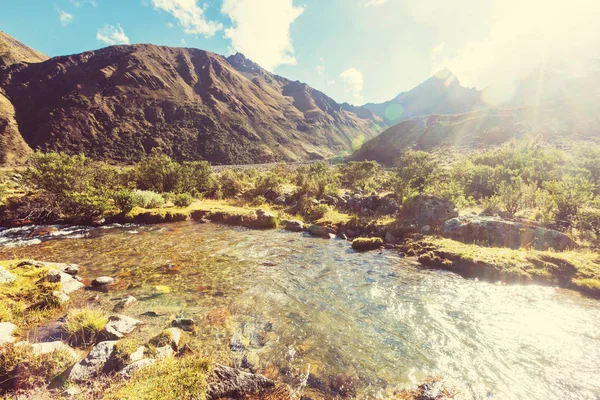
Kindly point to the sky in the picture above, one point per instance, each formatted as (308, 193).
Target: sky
(355, 51)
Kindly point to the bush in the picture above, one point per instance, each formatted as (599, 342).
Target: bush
(361, 175)
(415, 168)
(511, 196)
(569, 194)
(157, 172)
(124, 200)
(147, 199)
(182, 200)
(194, 177)
(232, 183)
(317, 180)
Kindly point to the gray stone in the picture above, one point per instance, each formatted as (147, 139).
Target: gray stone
(6, 332)
(61, 297)
(53, 275)
(71, 269)
(6, 277)
(71, 286)
(51, 347)
(262, 220)
(125, 303)
(118, 326)
(424, 210)
(426, 230)
(103, 280)
(494, 231)
(164, 352)
(389, 238)
(71, 392)
(294, 226)
(138, 354)
(186, 324)
(69, 283)
(230, 382)
(171, 337)
(129, 370)
(100, 360)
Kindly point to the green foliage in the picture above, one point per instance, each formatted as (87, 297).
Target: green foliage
(510, 196)
(415, 168)
(158, 172)
(448, 189)
(318, 180)
(267, 182)
(147, 199)
(194, 177)
(569, 194)
(365, 175)
(183, 200)
(232, 183)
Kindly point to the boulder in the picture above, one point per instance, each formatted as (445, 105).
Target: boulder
(321, 231)
(103, 280)
(171, 337)
(6, 332)
(118, 326)
(225, 382)
(69, 283)
(53, 275)
(6, 277)
(366, 244)
(294, 226)
(60, 297)
(495, 231)
(186, 324)
(100, 360)
(262, 220)
(50, 347)
(428, 210)
(71, 269)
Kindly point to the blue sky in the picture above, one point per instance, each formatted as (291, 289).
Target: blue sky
(353, 50)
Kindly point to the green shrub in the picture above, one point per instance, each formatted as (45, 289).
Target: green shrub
(183, 200)
(569, 194)
(415, 168)
(194, 177)
(588, 219)
(318, 180)
(232, 183)
(147, 199)
(364, 175)
(124, 200)
(157, 172)
(510, 196)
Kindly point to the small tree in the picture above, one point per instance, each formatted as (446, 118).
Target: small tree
(157, 172)
(415, 168)
(510, 196)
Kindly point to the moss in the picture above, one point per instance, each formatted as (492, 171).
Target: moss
(21, 368)
(366, 244)
(125, 348)
(172, 378)
(28, 300)
(83, 325)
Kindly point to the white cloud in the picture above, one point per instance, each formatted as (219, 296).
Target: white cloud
(370, 3)
(112, 35)
(78, 3)
(189, 15)
(65, 17)
(523, 35)
(261, 30)
(183, 42)
(353, 79)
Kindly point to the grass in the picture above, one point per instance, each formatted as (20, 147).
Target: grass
(20, 367)
(576, 269)
(25, 301)
(171, 378)
(83, 325)
(334, 218)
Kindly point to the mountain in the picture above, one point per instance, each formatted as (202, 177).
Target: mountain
(119, 102)
(12, 146)
(564, 122)
(440, 94)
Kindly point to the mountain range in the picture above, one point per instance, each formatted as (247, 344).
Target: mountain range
(119, 102)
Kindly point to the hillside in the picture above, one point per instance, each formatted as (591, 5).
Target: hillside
(563, 122)
(119, 102)
(13, 148)
(440, 94)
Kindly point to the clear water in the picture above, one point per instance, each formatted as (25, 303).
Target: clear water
(308, 304)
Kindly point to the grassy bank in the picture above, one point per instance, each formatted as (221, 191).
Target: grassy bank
(578, 269)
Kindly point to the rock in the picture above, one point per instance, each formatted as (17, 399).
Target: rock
(42, 231)
(71, 392)
(263, 220)
(321, 231)
(343, 385)
(389, 238)
(366, 244)
(118, 326)
(53, 276)
(71, 269)
(6, 332)
(494, 231)
(238, 343)
(60, 297)
(103, 280)
(171, 337)
(251, 361)
(164, 352)
(100, 360)
(230, 382)
(426, 230)
(138, 354)
(6, 277)
(294, 226)
(280, 201)
(129, 370)
(428, 210)
(125, 303)
(186, 324)
(50, 347)
(341, 235)
(71, 286)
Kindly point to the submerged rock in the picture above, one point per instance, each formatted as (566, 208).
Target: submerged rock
(6, 277)
(495, 231)
(125, 303)
(366, 244)
(230, 382)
